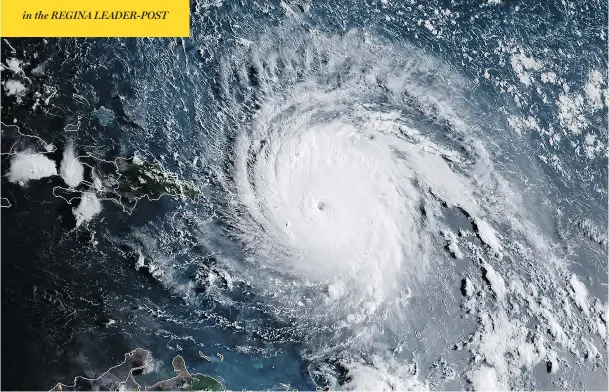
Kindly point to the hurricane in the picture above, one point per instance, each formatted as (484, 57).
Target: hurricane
(349, 196)
(348, 168)
(336, 175)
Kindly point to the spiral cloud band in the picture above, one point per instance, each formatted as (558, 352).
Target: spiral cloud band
(363, 199)
(330, 171)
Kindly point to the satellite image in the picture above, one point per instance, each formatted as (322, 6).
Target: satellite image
(346, 195)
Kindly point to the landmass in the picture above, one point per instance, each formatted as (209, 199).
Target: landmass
(132, 179)
(124, 377)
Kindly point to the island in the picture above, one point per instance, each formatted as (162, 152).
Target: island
(124, 377)
(132, 178)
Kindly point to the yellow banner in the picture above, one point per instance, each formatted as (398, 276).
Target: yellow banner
(102, 18)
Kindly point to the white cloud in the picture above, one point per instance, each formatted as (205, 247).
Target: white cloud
(71, 170)
(30, 166)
